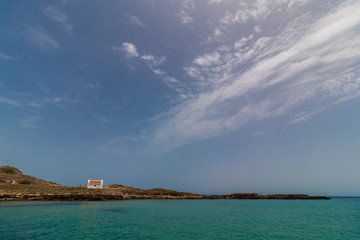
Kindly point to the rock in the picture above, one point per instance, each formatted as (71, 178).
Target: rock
(272, 196)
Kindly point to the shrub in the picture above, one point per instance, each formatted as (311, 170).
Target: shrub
(8, 170)
(25, 182)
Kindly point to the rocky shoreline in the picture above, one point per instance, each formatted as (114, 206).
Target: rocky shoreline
(272, 196)
(33, 189)
(103, 196)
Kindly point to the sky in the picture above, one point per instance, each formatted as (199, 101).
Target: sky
(207, 96)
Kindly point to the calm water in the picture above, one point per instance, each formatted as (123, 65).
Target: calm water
(182, 219)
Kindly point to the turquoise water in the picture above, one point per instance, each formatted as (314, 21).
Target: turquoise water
(182, 219)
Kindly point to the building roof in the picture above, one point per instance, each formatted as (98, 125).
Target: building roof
(95, 181)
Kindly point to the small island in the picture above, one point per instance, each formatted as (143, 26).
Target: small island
(16, 186)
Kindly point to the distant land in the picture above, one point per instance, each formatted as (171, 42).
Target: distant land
(30, 188)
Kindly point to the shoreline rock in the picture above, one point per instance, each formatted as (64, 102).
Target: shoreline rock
(272, 196)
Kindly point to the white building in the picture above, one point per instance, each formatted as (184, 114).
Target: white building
(95, 183)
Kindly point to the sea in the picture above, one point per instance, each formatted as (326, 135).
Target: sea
(338, 218)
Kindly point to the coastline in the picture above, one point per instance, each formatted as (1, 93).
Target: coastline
(35, 189)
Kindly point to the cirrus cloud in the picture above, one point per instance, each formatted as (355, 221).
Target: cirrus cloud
(310, 65)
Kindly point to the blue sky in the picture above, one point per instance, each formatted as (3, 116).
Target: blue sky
(208, 96)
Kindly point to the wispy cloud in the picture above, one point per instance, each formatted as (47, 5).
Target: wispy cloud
(9, 101)
(131, 51)
(98, 119)
(40, 39)
(258, 10)
(208, 60)
(55, 14)
(62, 102)
(185, 7)
(243, 12)
(128, 48)
(165, 77)
(184, 17)
(312, 61)
(134, 21)
(6, 57)
(259, 133)
(33, 103)
(119, 145)
(30, 122)
(42, 102)
(257, 28)
(93, 85)
(152, 61)
(215, 1)
(32, 106)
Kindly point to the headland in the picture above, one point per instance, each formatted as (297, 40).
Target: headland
(29, 188)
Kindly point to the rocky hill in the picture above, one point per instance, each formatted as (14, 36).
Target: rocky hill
(9, 174)
(31, 188)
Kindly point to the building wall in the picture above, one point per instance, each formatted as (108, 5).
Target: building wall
(94, 186)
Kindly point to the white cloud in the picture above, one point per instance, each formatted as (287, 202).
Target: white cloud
(131, 51)
(257, 29)
(165, 77)
(241, 43)
(55, 14)
(217, 32)
(194, 72)
(217, 36)
(227, 18)
(208, 59)
(9, 101)
(40, 39)
(93, 85)
(188, 4)
(159, 72)
(184, 17)
(42, 102)
(150, 58)
(119, 145)
(101, 119)
(245, 12)
(259, 133)
(154, 61)
(258, 9)
(26, 100)
(301, 117)
(183, 13)
(292, 3)
(30, 122)
(128, 48)
(309, 60)
(134, 21)
(215, 1)
(56, 99)
(5, 57)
